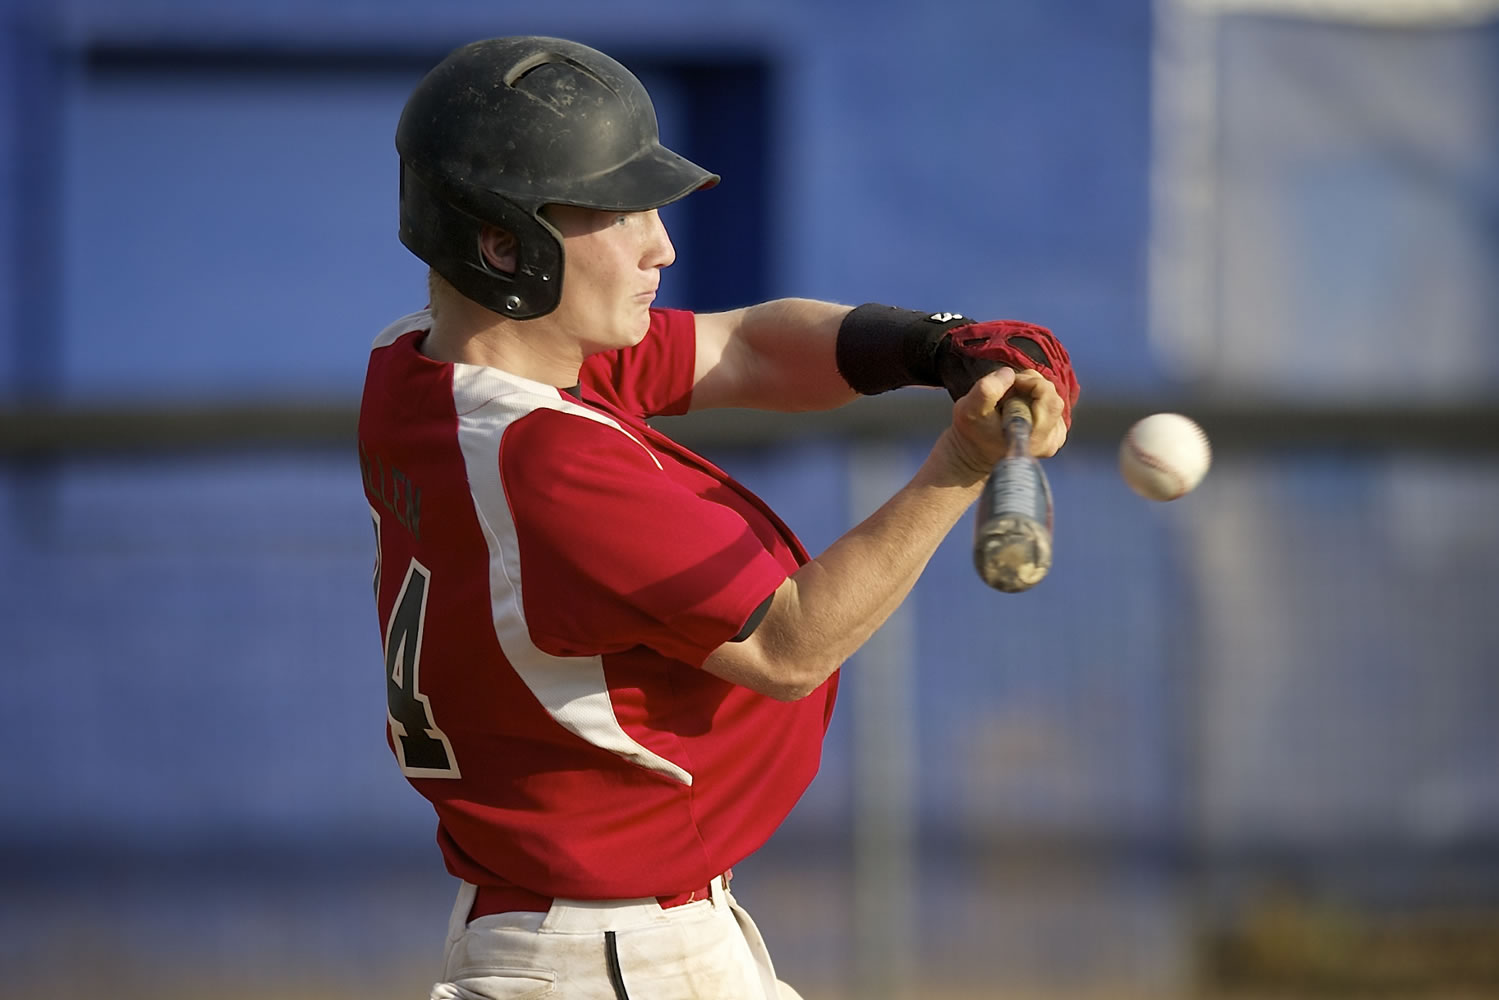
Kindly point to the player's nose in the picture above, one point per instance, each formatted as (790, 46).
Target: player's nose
(659, 249)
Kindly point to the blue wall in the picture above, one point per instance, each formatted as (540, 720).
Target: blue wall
(226, 180)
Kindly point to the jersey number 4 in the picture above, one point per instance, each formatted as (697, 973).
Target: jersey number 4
(422, 749)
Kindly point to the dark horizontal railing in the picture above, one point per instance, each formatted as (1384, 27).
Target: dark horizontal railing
(43, 431)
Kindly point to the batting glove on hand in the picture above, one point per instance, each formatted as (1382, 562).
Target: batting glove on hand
(880, 348)
(968, 353)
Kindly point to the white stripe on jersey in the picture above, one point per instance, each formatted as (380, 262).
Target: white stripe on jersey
(572, 689)
(412, 321)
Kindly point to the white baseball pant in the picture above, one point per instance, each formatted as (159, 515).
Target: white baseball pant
(629, 949)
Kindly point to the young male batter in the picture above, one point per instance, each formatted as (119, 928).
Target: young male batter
(609, 666)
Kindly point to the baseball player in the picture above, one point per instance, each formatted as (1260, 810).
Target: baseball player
(609, 666)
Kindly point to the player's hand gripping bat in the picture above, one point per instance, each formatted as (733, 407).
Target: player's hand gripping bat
(1012, 532)
(1012, 539)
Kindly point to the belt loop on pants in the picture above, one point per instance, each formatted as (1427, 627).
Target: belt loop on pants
(719, 887)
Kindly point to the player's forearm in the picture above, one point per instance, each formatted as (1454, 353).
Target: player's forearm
(853, 586)
(781, 356)
(795, 341)
(832, 605)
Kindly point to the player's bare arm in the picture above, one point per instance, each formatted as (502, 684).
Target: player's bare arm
(778, 355)
(783, 355)
(827, 609)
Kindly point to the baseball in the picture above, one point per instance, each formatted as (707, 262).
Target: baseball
(1164, 456)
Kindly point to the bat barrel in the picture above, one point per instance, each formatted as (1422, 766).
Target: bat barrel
(1012, 553)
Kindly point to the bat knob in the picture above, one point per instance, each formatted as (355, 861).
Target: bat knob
(1013, 553)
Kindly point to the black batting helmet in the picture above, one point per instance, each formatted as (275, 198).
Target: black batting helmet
(502, 127)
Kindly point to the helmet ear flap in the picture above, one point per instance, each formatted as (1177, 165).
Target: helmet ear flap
(443, 228)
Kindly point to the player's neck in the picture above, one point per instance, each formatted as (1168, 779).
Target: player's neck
(466, 333)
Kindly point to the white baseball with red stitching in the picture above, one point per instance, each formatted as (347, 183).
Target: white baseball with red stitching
(1164, 456)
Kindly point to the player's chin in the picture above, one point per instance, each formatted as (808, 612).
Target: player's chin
(636, 323)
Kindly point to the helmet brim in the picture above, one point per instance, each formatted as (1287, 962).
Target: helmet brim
(655, 177)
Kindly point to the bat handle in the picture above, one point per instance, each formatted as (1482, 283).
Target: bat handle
(1015, 412)
(1014, 407)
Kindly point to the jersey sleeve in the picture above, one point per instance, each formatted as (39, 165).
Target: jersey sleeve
(614, 554)
(653, 378)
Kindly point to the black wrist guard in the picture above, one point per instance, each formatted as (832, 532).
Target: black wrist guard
(882, 348)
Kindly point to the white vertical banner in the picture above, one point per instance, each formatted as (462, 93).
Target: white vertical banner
(1322, 197)
(881, 687)
(1183, 257)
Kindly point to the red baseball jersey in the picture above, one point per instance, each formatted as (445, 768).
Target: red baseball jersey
(551, 573)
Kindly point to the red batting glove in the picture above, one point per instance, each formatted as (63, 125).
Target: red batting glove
(968, 353)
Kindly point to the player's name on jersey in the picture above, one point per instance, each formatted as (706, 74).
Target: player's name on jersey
(393, 488)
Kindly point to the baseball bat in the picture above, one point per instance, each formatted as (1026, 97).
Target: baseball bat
(1012, 531)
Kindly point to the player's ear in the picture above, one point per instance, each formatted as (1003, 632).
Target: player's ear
(499, 248)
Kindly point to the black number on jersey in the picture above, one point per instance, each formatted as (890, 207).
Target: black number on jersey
(421, 748)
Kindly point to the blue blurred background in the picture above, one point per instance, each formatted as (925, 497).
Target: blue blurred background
(1241, 742)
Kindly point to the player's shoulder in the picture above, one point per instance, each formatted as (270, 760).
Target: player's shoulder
(670, 319)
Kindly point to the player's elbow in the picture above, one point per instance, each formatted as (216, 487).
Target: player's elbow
(794, 679)
(795, 688)
(752, 665)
